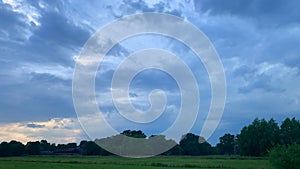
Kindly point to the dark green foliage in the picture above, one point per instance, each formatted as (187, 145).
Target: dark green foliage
(134, 133)
(61, 147)
(258, 138)
(285, 157)
(4, 149)
(33, 148)
(13, 148)
(191, 146)
(176, 150)
(16, 148)
(72, 145)
(290, 131)
(45, 146)
(91, 148)
(226, 145)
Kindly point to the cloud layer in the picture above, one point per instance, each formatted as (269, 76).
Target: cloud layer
(40, 42)
(57, 130)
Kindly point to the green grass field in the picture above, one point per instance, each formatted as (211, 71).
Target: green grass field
(112, 162)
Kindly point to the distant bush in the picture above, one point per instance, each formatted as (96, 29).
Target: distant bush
(285, 157)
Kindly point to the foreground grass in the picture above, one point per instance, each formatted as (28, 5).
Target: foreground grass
(113, 162)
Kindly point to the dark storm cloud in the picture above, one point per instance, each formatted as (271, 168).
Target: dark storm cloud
(256, 30)
(281, 45)
(39, 98)
(33, 85)
(266, 12)
(32, 125)
(57, 39)
(57, 30)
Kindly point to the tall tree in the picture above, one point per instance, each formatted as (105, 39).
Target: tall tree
(16, 148)
(258, 138)
(5, 149)
(45, 146)
(226, 144)
(290, 131)
(191, 146)
(33, 148)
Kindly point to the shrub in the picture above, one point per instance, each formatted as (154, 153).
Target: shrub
(285, 157)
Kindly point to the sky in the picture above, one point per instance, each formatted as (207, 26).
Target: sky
(40, 42)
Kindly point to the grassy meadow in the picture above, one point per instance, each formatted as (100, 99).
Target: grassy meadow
(113, 162)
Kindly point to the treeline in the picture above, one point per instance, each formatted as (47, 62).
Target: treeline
(15, 148)
(256, 139)
(261, 136)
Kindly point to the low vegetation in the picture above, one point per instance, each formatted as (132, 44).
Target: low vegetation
(285, 157)
(114, 162)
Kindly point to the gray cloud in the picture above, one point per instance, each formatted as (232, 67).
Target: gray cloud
(12, 27)
(255, 80)
(37, 61)
(263, 83)
(32, 125)
(55, 29)
(257, 42)
(266, 12)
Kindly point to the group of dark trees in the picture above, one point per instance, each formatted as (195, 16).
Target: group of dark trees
(261, 136)
(15, 148)
(256, 139)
